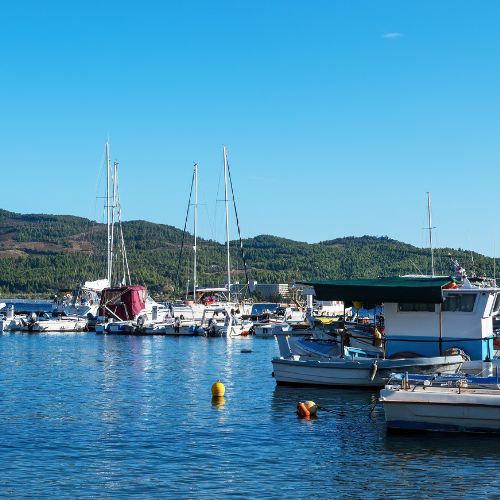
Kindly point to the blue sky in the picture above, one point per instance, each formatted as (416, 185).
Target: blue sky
(338, 116)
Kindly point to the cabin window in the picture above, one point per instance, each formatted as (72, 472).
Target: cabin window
(459, 302)
(416, 307)
(496, 307)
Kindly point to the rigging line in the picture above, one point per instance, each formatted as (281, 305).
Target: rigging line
(242, 252)
(177, 277)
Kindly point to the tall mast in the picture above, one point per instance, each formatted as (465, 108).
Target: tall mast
(227, 224)
(195, 221)
(430, 228)
(114, 204)
(108, 226)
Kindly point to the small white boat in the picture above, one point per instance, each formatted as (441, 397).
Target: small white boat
(447, 404)
(221, 323)
(354, 368)
(47, 323)
(269, 330)
(10, 322)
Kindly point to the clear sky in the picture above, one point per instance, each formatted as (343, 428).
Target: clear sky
(338, 116)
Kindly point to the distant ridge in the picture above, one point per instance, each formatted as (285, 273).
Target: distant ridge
(40, 253)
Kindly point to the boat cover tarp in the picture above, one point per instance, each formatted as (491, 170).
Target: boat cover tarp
(379, 290)
(124, 302)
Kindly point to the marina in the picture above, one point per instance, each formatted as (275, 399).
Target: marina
(218, 275)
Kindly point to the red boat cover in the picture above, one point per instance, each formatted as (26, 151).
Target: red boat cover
(123, 302)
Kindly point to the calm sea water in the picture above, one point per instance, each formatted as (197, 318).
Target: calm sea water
(83, 415)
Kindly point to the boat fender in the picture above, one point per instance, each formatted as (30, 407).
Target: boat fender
(302, 410)
(373, 370)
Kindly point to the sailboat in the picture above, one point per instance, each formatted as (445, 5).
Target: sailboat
(123, 307)
(214, 305)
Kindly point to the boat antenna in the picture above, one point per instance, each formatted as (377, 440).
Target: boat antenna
(177, 278)
(224, 152)
(430, 228)
(195, 220)
(242, 252)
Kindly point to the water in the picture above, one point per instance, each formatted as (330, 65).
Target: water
(115, 416)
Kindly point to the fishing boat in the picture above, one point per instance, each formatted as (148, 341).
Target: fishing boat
(351, 367)
(431, 324)
(459, 403)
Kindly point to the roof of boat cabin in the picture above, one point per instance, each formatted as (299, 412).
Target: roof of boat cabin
(379, 290)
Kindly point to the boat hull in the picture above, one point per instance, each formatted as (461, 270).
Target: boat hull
(354, 373)
(442, 411)
(63, 325)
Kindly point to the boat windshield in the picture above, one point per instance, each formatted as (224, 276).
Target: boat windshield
(263, 308)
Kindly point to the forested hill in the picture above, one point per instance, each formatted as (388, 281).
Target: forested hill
(41, 253)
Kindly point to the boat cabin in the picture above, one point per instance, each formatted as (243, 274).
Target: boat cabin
(426, 316)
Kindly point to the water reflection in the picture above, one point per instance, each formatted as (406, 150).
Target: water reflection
(408, 446)
(218, 402)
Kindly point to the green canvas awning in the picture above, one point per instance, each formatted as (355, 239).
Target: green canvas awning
(380, 290)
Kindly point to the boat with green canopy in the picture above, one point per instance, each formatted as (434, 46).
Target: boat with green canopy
(432, 324)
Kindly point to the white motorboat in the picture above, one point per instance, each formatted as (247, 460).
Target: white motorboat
(460, 404)
(352, 368)
(46, 323)
(10, 322)
(270, 330)
(221, 323)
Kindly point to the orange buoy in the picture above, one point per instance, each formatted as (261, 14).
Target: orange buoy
(302, 410)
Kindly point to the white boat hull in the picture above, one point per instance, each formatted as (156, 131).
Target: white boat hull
(57, 325)
(442, 410)
(354, 372)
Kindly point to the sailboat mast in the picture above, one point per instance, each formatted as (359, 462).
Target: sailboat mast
(227, 224)
(429, 215)
(108, 226)
(114, 195)
(195, 223)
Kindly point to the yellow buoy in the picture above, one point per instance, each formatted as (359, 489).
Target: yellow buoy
(218, 389)
(312, 407)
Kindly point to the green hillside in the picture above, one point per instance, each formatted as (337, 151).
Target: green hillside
(41, 253)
